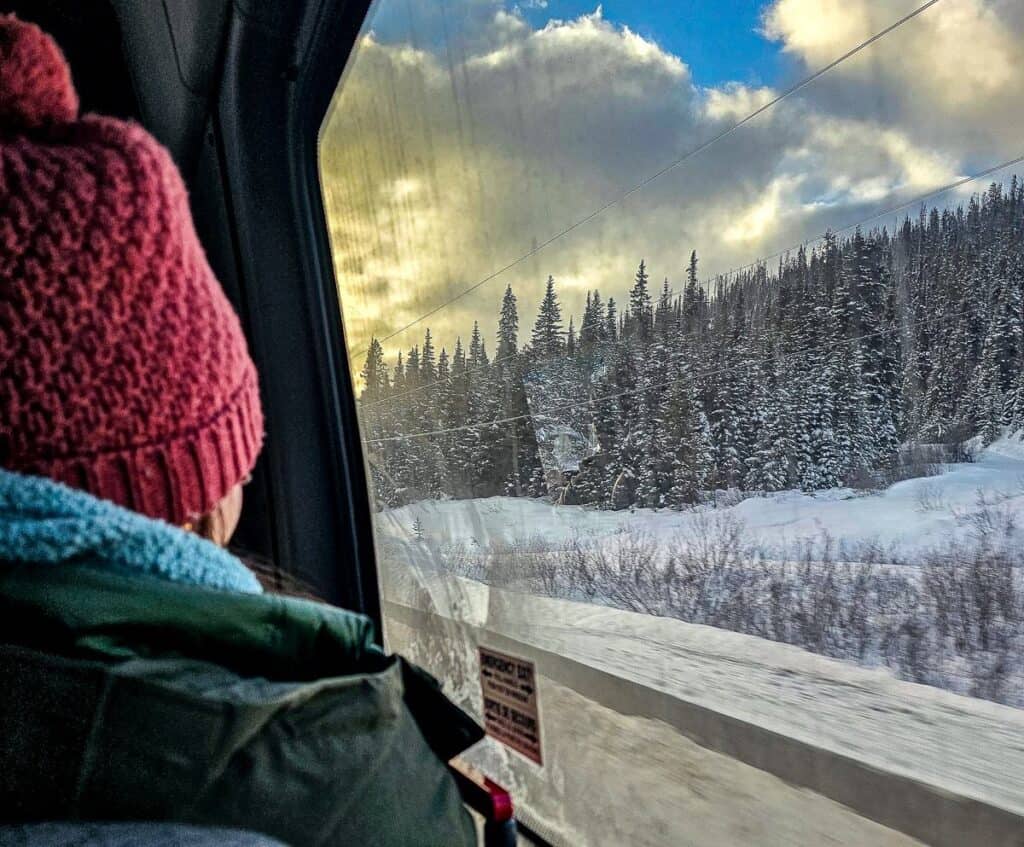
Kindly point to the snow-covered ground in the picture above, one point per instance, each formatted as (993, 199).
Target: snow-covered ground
(911, 516)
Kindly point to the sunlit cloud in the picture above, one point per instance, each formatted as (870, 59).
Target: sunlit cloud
(957, 62)
(733, 101)
(820, 30)
(763, 216)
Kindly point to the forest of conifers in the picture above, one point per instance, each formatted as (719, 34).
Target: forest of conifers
(810, 373)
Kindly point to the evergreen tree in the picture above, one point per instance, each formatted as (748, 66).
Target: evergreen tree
(592, 327)
(611, 326)
(547, 330)
(986, 400)
(508, 326)
(693, 299)
(687, 443)
(374, 374)
(640, 317)
(769, 465)
(477, 353)
(428, 366)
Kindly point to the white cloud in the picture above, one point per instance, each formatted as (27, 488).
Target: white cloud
(819, 31)
(956, 63)
(733, 101)
(750, 225)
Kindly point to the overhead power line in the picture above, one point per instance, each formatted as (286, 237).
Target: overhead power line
(885, 212)
(700, 148)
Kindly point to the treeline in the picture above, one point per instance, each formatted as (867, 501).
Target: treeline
(809, 374)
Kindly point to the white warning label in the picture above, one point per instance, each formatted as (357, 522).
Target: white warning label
(509, 687)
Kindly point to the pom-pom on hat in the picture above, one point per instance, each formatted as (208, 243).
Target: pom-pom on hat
(123, 368)
(35, 83)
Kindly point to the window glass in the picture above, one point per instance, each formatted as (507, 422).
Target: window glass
(688, 342)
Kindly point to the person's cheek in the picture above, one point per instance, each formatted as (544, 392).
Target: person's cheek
(230, 513)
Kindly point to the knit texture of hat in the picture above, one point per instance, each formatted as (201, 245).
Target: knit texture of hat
(123, 369)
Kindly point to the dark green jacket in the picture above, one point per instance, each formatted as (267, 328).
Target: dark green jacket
(128, 697)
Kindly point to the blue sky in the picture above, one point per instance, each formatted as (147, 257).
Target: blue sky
(718, 39)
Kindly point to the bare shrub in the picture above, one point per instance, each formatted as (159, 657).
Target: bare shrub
(582, 572)
(990, 520)
(864, 479)
(929, 498)
(521, 563)
(975, 594)
(463, 560)
(723, 498)
(625, 572)
(877, 479)
(956, 442)
(703, 561)
(954, 621)
(912, 461)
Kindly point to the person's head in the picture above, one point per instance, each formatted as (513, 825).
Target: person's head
(123, 369)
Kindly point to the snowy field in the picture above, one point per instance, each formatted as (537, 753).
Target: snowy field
(910, 517)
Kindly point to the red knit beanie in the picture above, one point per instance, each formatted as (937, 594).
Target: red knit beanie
(123, 369)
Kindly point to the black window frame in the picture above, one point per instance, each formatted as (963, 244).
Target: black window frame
(238, 91)
(257, 197)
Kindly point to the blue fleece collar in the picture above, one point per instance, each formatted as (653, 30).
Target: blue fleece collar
(46, 523)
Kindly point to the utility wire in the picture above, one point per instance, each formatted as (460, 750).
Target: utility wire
(578, 404)
(700, 148)
(732, 271)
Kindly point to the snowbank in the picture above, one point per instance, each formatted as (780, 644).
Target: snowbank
(912, 515)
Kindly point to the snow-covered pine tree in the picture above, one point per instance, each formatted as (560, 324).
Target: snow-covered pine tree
(374, 417)
(664, 315)
(374, 374)
(547, 340)
(518, 461)
(693, 300)
(428, 450)
(686, 440)
(640, 317)
(461, 472)
(986, 399)
(592, 329)
(611, 322)
(508, 327)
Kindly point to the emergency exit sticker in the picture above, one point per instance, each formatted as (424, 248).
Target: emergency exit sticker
(509, 686)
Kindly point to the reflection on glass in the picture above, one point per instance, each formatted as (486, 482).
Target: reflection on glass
(737, 424)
